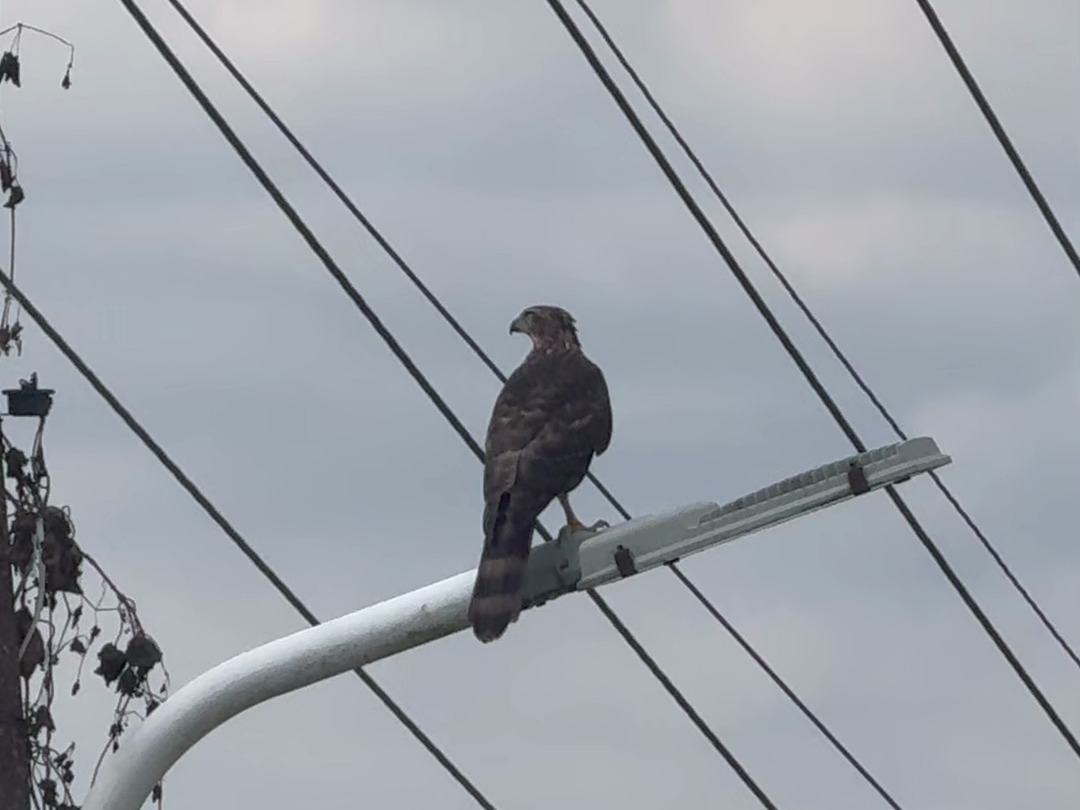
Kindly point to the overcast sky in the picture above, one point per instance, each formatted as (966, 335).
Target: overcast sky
(476, 138)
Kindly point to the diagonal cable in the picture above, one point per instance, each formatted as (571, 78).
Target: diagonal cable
(359, 215)
(317, 247)
(343, 197)
(823, 395)
(192, 489)
(333, 185)
(366, 223)
(725, 752)
(806, 710)
(817, 325)
(999, 132)
(159, 452)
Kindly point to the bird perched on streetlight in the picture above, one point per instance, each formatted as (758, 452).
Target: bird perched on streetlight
(550, 419)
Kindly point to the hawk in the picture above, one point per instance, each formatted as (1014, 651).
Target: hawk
(549, 420)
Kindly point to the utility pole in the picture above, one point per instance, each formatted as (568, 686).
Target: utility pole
(14, 745)
(15, 754)
(17, 658)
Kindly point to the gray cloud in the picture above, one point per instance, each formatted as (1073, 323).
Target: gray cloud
(478, 141)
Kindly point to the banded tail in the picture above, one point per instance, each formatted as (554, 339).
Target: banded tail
(496, 599)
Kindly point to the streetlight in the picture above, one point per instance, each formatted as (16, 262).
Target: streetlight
(572, 563)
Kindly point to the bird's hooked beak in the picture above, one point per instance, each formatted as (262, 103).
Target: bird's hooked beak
(518, 324)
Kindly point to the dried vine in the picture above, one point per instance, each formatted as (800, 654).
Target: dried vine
(57, 620)
(11, 71)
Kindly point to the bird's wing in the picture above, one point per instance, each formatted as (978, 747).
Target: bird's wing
(597, 403)
(553, 412)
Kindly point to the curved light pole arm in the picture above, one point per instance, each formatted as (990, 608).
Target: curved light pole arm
(588, 559)
(282, 666)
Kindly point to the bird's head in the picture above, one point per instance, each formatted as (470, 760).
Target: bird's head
(550, 328)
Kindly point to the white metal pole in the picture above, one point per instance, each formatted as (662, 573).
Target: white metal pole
(281, 666)
(412, 619)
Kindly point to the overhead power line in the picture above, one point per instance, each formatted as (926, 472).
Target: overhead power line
(192, 489)
(359, 215)
(316, 246)
(780, 276)
(794, 698)
(740, 771)
(159, 452)
(826, 399)
(999, 132)
(432, 299)
(463, 333)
